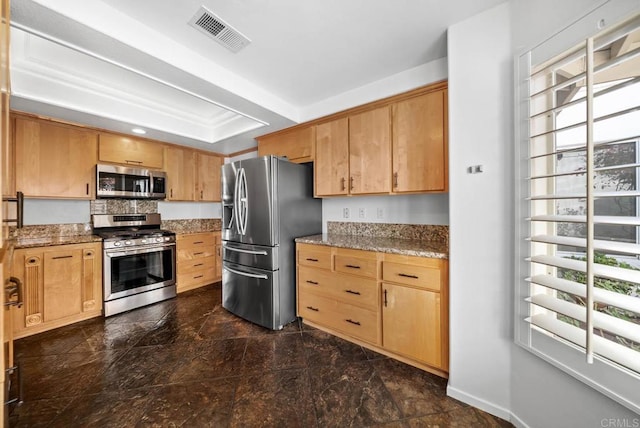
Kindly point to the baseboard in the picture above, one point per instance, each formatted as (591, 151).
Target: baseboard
(519, 423)
(481, 404)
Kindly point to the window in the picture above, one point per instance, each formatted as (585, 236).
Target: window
(579, 209)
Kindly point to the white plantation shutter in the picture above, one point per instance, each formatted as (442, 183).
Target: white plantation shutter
(580, 208)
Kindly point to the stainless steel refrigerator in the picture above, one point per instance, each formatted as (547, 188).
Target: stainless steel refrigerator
(266, 203)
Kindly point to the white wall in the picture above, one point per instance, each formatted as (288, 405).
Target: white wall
(480, 237)
(55, 211)
(410, 209)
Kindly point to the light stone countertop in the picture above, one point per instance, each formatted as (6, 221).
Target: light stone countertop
(49, 241)
(408, 247)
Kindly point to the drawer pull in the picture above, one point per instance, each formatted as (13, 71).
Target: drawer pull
(199, 276)
(198, 253)
(198, 242)
(198, 264)
(408, 276)
(352, 292)
(353, 322)
(133, 161)
(62, 257)
(313, 309)
(312, 282)
(385, 298)
(352, 266)
(311, 260)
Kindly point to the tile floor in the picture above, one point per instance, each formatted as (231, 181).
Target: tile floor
(188, 362)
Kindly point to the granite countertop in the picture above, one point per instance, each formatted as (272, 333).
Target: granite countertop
(408, 247)
(48, 241)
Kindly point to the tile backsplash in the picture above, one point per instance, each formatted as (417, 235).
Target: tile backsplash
(123, 206)
(421, 232)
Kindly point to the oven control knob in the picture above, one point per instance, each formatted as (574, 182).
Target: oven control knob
(158, 239)
(143, 241)
(117, 244)
(167, 239)
(128, 242)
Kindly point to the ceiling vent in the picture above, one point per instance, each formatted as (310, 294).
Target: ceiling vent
(210, 24)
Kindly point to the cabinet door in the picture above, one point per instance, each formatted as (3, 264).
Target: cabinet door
(92, 278)
(208, 181)
(332, 158)
(296, 145)
(411, 323)
(45, 153)
(419, 144)
(130, 151)
(62, 284)
(179, 166)
(370, 152)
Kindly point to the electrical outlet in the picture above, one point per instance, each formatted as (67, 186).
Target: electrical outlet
(345, 212)
(362, 213)
(380, 213)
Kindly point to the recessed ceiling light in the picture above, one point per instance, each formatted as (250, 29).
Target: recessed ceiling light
(138, 131)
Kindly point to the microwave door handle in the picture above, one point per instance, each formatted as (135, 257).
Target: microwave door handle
(250, 275)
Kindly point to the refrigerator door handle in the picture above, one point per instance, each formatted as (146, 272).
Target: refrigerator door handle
(250, 275)
(236, 201)
(239, 250)
(244, 201)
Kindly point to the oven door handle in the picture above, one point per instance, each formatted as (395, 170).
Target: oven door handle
(239, 250)
(111, 253)
(250, 275)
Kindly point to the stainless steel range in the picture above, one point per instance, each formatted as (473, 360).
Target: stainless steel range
(139, 260)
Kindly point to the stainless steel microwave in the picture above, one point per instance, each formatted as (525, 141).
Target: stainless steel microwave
(114, 181)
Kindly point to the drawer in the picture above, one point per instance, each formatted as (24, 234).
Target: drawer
(196, 265)
(356, 266)
(196, 240)
(357, 322)
(418, 276)
(345, 288)
(186, 280)
(315, 255)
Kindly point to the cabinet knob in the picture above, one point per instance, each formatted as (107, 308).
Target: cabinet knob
(351, 181)
(395, 180)
(342, 184)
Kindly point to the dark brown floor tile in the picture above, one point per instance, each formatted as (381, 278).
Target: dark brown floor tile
(141, 367)
(373, 355)
(170, 330)
(58, 341)
(67, 375)
(230, 330)
(306, 327)
(154, 312)
(121, 409)
(209, 360)
(38, 413)
(275, 399)
(273, 352)
(351, 395)
(113, 336)
(290, 328)
(220, 315)
(324, 349)
(415, 391)
(195, 404)
(459, 418)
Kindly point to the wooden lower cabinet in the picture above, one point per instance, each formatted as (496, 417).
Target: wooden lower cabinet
(197, 260)
(62, 284)
(393, 304)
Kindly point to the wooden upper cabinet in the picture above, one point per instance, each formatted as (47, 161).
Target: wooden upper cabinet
(369, 152)
(419, 144)
(54, 160)
(179, 165)
(332, 158)
(208, 169)
(296, 145)
(130, 151)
